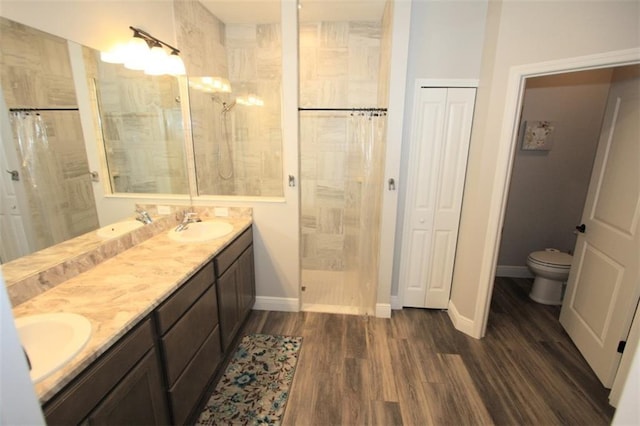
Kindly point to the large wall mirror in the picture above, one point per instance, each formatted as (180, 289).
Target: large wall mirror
(141, 127)
(235, 80)
(48, 196)
(140, 122)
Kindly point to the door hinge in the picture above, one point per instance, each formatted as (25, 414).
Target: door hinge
(621, 345)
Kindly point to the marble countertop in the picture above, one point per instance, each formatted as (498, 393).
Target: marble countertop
(118, 293)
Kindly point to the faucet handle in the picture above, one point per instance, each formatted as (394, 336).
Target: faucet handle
(189, 216)
(143, 216)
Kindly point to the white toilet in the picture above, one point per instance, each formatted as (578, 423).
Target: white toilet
(551, 268)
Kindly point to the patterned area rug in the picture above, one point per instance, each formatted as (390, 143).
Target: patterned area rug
(255, 386)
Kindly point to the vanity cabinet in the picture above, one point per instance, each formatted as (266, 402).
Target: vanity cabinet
(236, 285)
(189, 338)
(124, 386)
(159, 371)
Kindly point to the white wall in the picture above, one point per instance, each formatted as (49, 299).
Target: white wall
(519, 33)
(98, 24)
(445, 42)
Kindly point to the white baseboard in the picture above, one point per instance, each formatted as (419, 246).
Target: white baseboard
(461, 323)
(396, 303)
(383, 310)
(281, 304)
(330, 309)
(513, 271)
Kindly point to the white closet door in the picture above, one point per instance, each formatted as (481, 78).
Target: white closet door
(437, 166)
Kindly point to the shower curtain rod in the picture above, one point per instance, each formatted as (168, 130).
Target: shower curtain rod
(41, 109)
(344, 109)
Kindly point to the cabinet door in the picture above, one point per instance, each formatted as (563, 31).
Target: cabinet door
(80, 398)
(246, 283)
(138, 399)
(228, 305)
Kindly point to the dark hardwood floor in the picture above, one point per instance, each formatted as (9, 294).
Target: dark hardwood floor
(416, 369)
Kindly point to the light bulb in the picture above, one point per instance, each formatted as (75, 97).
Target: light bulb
(156, 61)
(175, 65)
(115, 55)
(136, 54)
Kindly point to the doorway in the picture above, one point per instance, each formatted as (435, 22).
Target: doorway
(594, 315)
(548, 187)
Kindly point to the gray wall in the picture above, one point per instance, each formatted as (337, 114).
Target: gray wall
(548, 188)
(445, 43)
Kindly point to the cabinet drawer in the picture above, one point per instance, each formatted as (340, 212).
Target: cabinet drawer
(188, 389)
(74, 403)
(231, 253)
(169, 312)
(183, 340)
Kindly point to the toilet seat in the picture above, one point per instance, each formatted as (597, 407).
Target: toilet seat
(551, 259)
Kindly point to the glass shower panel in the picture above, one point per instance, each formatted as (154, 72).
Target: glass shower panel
(341, 170)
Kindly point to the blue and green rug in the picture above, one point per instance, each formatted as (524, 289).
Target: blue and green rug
(255, 386)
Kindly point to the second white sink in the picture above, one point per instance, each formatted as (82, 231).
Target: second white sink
(119, 228)
(199, 232)
(52, 340)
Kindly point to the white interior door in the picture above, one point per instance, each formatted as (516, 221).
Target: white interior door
(603, 286)
(437, 166)
(14, 241)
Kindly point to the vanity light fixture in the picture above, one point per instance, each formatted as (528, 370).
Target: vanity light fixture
(146, 53)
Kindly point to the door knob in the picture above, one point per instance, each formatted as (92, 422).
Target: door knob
(581, 228)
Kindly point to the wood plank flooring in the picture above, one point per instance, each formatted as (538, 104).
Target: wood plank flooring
(416, 369)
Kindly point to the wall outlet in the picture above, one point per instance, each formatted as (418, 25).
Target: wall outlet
(164, 210)
(221, 211)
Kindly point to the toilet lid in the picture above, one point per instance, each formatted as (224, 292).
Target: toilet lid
(556, 258)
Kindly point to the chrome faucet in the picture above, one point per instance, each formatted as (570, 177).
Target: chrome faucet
(143, 216)
(189, 217)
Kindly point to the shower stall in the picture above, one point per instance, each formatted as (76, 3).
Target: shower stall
(342, 165)
(343, 97)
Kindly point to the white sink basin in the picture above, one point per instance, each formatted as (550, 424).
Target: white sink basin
(119, 228)
(52, 340)
(199, 232)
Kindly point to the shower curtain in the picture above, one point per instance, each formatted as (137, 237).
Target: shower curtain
(341, 196)
(42, 178)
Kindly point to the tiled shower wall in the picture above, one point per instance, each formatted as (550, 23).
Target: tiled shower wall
(249, 55)
(255, 67)
(35, 72)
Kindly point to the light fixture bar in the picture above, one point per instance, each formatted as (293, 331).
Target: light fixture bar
(148, 37)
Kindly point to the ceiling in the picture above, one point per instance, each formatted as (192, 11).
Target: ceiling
(266, 11)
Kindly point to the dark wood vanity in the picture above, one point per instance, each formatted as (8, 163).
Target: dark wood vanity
(159, 372)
